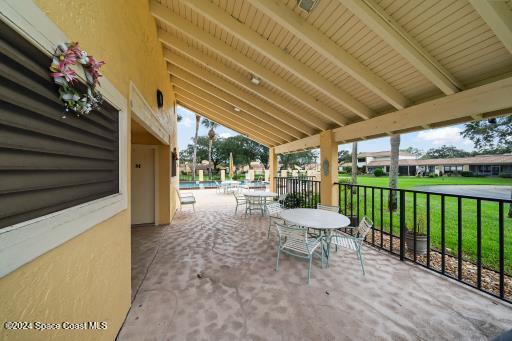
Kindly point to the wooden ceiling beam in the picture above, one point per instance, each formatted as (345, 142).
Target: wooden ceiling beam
(194, 87)
(278, 56)
(498, 16)
(225, 121)
(488, 100)
(329, 49)
(292, 114)
(190, 30)
(373, 16)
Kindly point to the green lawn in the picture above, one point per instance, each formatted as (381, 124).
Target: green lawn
(489, 216)
(409, 182)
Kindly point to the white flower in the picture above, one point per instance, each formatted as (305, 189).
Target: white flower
(83, 59)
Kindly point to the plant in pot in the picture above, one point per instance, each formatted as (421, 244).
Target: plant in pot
(421, 236)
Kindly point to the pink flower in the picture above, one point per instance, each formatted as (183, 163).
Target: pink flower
(94, 67)
(68, 74)
(74, 47)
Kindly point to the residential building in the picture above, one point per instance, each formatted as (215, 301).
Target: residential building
(364, 158)
(485, 165)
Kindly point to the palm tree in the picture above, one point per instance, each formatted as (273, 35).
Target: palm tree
(393, 170)
(194, 155)
(354, 163)
(211, 136)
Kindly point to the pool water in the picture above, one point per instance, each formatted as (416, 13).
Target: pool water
(211, 184)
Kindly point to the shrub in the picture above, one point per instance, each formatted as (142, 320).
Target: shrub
(292, 200)
(432, 175)
(379, 172)
(466, 173)
(506, 175)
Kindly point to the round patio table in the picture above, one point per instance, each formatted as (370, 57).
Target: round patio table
(256, 200)
(315, 219)
(322, 220)
(261, 194)
(229, 185)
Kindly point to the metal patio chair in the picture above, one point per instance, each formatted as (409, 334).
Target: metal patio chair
(255, 204)
(241, 200)
(273, 210)
(295, 241)
(352, 242)
(186, 198)
(218, 187)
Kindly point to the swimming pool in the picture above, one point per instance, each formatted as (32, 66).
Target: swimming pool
(211, 184)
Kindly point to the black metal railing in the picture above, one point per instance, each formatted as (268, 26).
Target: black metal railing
(298, 192)
(467, 238)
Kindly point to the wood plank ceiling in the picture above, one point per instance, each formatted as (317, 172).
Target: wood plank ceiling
(344, 62)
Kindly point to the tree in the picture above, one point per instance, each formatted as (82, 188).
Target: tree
(186, 154)
(445, 152)
(211, 136)
(415, 151)
(393, 170)
(492, 136)
(354, 163)
(297, 159)
(344, 156)
(194, 157)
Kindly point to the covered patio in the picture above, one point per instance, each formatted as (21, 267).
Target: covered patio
(211, 275)
(290, 75)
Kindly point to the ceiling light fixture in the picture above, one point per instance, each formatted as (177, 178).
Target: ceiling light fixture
(237, 109)
(255, 80)
(307, 5)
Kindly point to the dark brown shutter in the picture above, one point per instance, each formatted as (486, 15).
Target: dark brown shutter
(48, 163)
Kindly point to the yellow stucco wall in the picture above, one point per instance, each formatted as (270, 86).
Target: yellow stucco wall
(88, 277)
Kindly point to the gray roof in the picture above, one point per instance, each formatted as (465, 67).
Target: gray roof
(474, 160)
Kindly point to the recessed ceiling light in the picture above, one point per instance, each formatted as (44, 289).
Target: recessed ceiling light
(237, 109)
(255, 80)
(307, 5)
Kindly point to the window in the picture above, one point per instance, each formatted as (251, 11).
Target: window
(48, 163)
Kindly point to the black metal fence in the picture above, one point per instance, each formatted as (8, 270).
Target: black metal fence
(298, 192)
(467, 238)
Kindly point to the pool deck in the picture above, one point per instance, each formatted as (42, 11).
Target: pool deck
(210, 275)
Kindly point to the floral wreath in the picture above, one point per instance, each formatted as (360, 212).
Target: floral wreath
(66, 55)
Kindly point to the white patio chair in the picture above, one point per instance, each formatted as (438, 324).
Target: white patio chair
(255, 204)
(218, 187)
(186, 198)
(294, 241)
(241, 200)
(335, 209)
(352, 242)
(273, 210)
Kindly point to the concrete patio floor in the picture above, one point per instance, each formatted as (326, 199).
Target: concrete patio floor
(210, 276)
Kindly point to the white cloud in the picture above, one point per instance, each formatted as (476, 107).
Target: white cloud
(225, 135)
(187, 122)
(441, 136)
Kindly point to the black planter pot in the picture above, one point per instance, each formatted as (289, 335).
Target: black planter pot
(354, 220)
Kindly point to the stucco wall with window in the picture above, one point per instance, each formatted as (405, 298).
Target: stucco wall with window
(88, 277)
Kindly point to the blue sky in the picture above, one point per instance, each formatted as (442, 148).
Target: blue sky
(423, 140)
